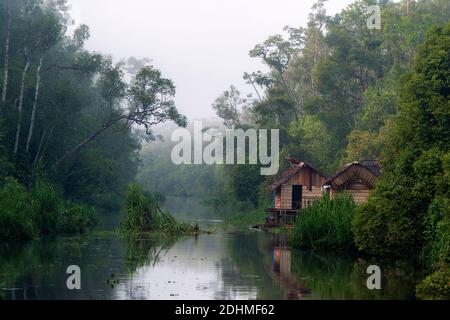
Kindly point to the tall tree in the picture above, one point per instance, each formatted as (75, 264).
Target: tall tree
(29, 9)
(150, 102)
(229, 106)
(49, 33)
(6, 58)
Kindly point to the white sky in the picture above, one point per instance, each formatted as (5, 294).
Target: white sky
(202, 45)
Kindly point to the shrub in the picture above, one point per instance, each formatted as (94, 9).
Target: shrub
(76, 218)
(436, 251)
(386, 224)
(16, 218)
(325, 224)
(25, 214)
(47, 207)
(435, 286)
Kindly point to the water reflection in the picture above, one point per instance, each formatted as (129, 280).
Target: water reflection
(218, 266)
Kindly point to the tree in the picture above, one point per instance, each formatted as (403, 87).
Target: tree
(414, 189)
(150, 102)
(6, 58)
(49, 32)
(30, 7)
(229, 106)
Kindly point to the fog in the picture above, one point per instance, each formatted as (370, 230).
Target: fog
(202, 45)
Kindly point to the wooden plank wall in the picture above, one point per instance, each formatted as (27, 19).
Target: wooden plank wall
(286, 196)
(308, 197)
(359, 191)
(306, 176)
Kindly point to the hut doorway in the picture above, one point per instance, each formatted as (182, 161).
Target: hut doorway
(296, 197)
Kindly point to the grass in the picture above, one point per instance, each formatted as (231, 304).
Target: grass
(243, 221)
(25, 214)
(327, 224)
(144, 215)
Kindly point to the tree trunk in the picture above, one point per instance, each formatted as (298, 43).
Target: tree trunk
(36, 158)
(6, 61)
(36, 96)
(20, 108)
(94, 135)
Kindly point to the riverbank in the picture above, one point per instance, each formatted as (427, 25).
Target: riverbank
(26, 213)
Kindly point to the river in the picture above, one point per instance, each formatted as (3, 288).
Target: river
(247, 265)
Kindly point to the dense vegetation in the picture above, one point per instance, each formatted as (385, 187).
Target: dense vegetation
(409, 210)
(25, 214)
(333, 88)
(69, 117)
(340, 92)
(72, 123)
(326, 224)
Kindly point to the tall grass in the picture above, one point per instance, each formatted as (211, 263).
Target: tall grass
(16, 213)
(327, 224)
(242, 221)
(144, 215)
(25, 214)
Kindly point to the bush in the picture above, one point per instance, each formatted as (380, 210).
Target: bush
(435, 286)
(145, 215)
(325, 224)
(436, 251)
(16, 218)
(25, 214)
(47, 207)
(76, 218)
(387, 224)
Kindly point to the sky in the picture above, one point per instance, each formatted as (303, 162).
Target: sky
(202, 45)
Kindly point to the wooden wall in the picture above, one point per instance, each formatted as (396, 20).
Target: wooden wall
(309, 197)
(359, 191)
(306, 177)
(311, 183)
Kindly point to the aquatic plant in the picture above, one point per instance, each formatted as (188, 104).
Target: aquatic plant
(144, 215)
(327, 223)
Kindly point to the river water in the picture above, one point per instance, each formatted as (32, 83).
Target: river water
(248, 265)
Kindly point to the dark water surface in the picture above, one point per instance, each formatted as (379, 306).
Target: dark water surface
(220, 266)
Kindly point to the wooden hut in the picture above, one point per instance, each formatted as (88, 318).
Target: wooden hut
(356, 178)
(296, 188)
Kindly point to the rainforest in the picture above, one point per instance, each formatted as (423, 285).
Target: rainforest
(359, 123)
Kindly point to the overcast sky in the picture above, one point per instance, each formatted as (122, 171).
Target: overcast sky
(202, 45)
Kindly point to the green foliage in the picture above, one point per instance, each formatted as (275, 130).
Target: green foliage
(245, 181)
(245, 220)
(79, 115)
(436, 252)
(144, 215)
(416, 162)
(16, 214)
(435, 286)
(25, 214)
(326, 224)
